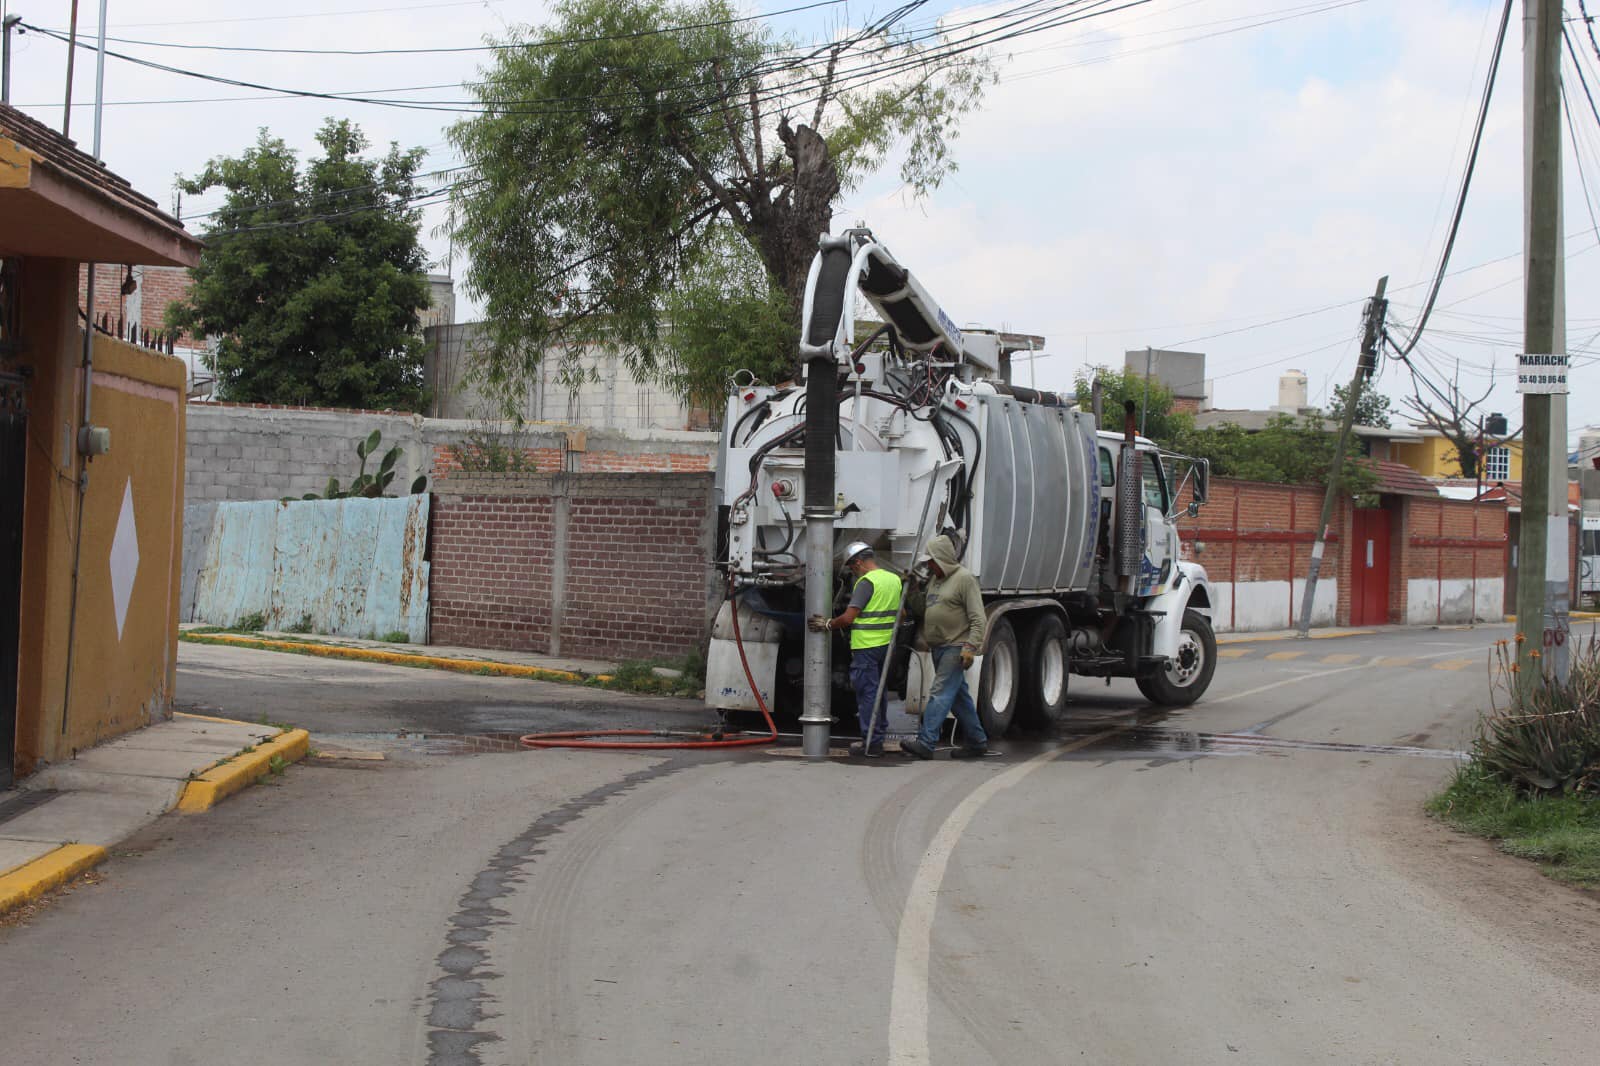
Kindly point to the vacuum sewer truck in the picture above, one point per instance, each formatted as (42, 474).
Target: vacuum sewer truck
(1070, 528)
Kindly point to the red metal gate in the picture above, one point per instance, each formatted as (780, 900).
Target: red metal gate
(1369, 566)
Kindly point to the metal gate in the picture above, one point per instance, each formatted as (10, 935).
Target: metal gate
(13, 462)
(1369, 566)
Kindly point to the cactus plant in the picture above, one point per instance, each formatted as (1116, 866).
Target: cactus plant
(365, 485)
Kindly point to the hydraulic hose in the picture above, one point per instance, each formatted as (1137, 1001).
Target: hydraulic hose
(665, 741)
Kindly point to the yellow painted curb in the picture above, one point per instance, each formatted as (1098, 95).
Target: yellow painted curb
(33, 879)
(220, 782)
(1582, 616)
(392, 658)
(1325, 634)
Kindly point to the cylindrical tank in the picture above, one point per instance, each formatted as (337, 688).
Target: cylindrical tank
(1037, 499)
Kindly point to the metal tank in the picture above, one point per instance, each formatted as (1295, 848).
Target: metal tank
(1038, 496)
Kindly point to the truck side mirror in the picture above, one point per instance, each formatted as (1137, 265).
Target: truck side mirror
(1193, 509)
(1202, 481)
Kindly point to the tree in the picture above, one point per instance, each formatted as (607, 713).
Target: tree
(621, 141)
(1449, 411)
(1372, 407)
(1161, 423)
(311, 279)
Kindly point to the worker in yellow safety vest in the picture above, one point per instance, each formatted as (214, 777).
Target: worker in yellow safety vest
(874, 602)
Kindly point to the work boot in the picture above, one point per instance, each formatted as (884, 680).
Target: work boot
(915, 746)
(976, 751)
(861, 750)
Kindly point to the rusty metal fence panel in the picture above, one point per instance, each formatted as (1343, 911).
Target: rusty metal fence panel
(354, 568)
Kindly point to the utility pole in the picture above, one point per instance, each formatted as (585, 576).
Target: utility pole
(1366, 364)
(1542, 580)
(1144, 408)
(9, 22)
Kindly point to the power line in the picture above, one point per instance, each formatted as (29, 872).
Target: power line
(1466, 182)
(548, 43)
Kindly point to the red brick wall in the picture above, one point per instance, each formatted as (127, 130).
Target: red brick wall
(447, 461)
(622, 560)
(1258, 532)
(1255, 531)
(159, 287)
(489, 582)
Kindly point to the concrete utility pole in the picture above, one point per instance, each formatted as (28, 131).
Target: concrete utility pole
(1542, 580)
(9, 21)
(1366, 364)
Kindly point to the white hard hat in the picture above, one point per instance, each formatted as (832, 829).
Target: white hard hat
(855, 548)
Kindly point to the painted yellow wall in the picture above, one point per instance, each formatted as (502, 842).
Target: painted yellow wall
(1436, 457)
(121, 679)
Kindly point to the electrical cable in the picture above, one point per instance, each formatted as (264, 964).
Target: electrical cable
(1466, 182)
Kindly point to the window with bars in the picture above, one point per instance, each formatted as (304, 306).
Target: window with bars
(1497, 464)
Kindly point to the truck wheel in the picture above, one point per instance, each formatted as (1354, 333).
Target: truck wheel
(1001, 679)
(1044, 674)
(1186, 678)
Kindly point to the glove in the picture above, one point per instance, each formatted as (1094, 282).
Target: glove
(966, 658)
(817, 624)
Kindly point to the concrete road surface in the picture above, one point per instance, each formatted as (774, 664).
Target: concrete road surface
(1248, 881)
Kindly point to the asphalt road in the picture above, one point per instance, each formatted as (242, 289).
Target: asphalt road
(1248, 881)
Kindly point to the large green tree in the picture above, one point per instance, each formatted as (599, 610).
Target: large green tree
(311, 278)
(622, 143)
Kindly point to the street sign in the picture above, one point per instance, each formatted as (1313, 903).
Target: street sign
(1542, 373)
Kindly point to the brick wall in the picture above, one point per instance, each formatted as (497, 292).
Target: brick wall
(156, 288)
(1447, 562)
(587, 565)
(1446, 557)
(1255, 539)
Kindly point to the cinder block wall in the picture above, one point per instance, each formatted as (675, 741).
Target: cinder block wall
(264, 452)
(586, 565)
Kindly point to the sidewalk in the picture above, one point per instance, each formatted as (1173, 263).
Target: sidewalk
(63, 818)
(429, 656)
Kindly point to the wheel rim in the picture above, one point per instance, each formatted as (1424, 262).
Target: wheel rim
(1052, 673)
(1189, 661)
(1002, 688)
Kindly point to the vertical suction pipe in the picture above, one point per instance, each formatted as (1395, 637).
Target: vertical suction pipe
(823, 319)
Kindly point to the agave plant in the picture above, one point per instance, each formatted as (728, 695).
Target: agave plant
(1546, 739)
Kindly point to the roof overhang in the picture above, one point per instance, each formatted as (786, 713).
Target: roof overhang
(48, 212)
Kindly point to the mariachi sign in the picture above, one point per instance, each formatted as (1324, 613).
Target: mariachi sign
(1542, 373)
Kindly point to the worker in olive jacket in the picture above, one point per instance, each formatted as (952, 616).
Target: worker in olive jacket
(953, 624)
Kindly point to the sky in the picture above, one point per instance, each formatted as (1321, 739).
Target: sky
(1223, 176)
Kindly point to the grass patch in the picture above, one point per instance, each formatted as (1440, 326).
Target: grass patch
(1560, 832)
(254, 622)
(396, 636)
(639, 675)
(302, 626)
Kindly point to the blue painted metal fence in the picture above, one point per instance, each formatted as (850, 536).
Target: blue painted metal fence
(354, 567)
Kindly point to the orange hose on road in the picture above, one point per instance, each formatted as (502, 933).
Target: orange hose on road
(585, 738)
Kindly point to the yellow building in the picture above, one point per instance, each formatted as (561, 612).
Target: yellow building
(1434, 456)
(91, 461)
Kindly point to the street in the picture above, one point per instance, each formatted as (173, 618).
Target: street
(1250, 880)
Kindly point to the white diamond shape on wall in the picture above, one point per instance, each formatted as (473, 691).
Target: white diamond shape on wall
(124, 558)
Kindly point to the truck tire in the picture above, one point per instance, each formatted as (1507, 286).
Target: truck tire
(1045, 666)
(1186, 678)
(1000, 683)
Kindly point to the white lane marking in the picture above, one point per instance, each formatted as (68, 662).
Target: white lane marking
(1306, 677)
(908, 1000)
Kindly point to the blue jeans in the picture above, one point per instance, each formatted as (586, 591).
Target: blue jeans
(950, 694)
(866, 666)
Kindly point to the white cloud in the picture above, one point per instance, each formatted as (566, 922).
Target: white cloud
(1183, 190)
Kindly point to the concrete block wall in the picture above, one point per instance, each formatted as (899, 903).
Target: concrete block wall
(262, 452)
(240, 452)
(589, 565)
